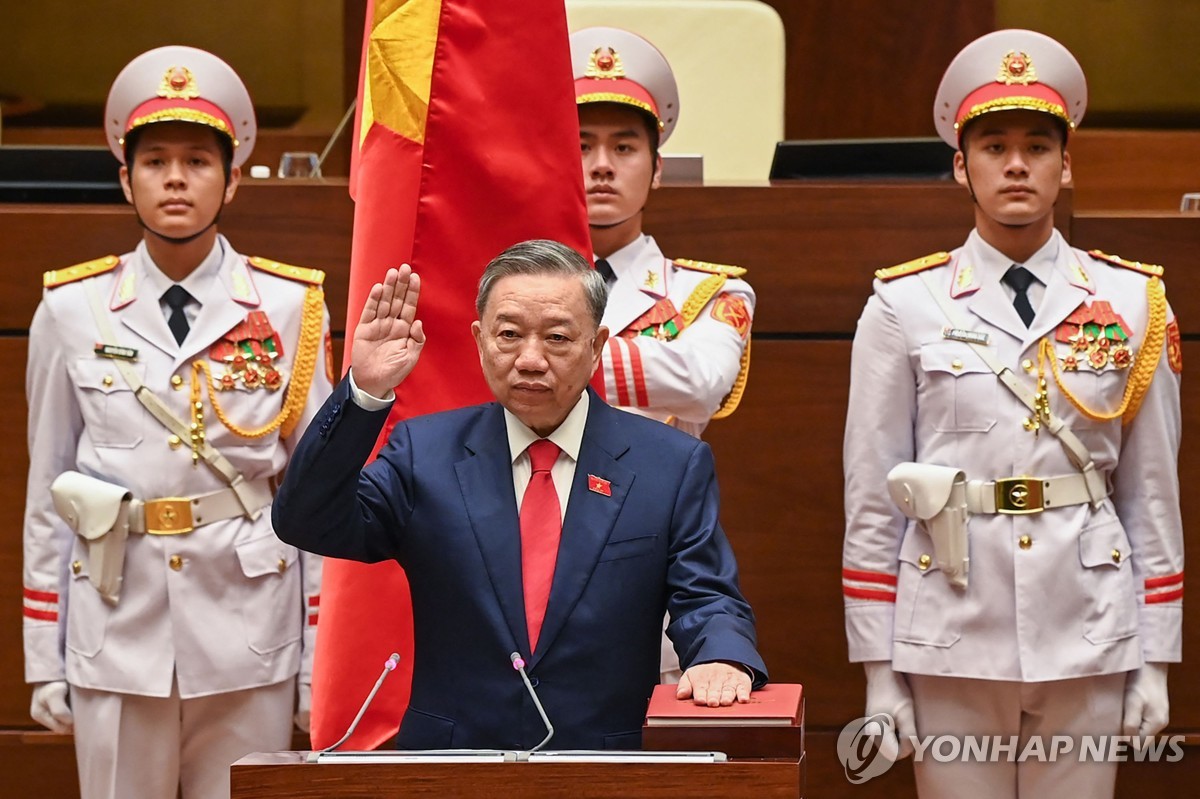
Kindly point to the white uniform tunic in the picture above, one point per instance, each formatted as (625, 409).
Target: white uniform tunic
(676, 377)
(1068, 592)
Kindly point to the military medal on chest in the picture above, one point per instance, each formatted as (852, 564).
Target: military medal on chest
(1097, 337)
(663, 322)
(249, 352)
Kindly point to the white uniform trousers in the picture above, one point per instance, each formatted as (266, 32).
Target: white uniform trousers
(142, 747)
(959, 707)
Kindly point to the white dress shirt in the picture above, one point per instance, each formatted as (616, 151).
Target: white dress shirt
(198, 283)
(995, 264)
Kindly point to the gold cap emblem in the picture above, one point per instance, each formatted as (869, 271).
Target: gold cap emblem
(605, 62)
(1016, 68)
(178, 83)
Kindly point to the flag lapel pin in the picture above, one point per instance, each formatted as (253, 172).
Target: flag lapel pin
(599, 485)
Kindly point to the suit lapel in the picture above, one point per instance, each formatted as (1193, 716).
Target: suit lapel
(485, 479)
(590, 517)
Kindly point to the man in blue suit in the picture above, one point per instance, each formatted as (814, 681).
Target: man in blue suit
(569, 558)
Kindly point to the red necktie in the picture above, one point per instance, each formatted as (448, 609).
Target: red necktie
(541, 527)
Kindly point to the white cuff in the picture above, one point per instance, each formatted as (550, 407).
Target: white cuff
(369, 402)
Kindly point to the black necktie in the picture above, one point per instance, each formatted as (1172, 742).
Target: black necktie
(1019, 279)
(606, 271)
(176, 297)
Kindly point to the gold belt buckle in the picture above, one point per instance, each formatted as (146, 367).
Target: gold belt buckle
(169, 516)
(1017, 495)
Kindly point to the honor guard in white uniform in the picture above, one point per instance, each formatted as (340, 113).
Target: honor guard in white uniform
(680, 345)
(163, 620)
(1013, 561)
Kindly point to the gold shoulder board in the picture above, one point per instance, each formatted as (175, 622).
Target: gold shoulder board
(303, 274)
(712, 269)
(913, 266)
(1153, 270)
(60, 277)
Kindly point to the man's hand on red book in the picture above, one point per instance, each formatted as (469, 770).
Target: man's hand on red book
(715, 684)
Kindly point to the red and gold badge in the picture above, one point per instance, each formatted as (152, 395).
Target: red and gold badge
(1016, 68)
(249, 352)
(1174, 347)
(731, 309)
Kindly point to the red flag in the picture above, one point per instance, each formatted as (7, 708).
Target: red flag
(468, 143)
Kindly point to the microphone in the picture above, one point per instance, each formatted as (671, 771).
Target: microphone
(388, 667)
(518, 663)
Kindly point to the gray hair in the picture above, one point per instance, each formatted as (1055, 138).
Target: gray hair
(544, 257)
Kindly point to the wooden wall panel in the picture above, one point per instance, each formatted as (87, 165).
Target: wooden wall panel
(852, 73)
(1124, 170)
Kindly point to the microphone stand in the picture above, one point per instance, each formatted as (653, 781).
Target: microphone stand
(519, 664)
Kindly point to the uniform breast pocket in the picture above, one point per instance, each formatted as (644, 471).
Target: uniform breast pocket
(111, 411)
(958, 390)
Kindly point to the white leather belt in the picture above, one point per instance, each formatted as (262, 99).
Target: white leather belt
(1027, 494)
(175, 515)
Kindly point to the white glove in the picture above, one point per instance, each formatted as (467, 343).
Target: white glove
(1146, 707)
(50, 707)
(303, 715)
(888, 692)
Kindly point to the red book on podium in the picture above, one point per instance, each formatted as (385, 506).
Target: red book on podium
(771, 724)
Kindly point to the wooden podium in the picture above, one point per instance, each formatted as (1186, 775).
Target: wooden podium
(288, 774)
(766, 761)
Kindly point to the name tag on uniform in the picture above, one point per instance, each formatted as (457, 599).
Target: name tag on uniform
(115, 352)
(969, 336)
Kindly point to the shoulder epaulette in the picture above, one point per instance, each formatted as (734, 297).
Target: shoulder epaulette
(60, 277)
(303, 274)
(1153, 270)
(913, 266)
(713, 269)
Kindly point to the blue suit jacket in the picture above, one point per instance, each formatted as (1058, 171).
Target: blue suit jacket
(439, 499)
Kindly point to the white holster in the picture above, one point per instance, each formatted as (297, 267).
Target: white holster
(936, 497)
(98, 512)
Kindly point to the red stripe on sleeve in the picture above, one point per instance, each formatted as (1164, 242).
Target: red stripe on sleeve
(639, 376)
(1160, 582)
(1169, 596)
(314, 601)
(43, 615)
(41, 596)
(869, 577)
(619, 372)
(866, 593)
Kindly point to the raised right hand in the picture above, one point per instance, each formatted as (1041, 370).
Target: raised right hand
(389, 337)
(50, 708)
